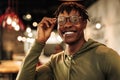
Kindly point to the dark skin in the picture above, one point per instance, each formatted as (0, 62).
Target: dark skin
(72, 34)
(45, 28)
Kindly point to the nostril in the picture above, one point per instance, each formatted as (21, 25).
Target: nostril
(68, 26)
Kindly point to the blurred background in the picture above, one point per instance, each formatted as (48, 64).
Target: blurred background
(18, 23)
(19, 19)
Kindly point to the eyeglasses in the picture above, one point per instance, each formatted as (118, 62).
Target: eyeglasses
(73, 19)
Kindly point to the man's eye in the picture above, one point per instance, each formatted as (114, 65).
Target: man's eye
(74, 19)
(61, 20)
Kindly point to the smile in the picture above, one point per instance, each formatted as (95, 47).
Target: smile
(69, 32)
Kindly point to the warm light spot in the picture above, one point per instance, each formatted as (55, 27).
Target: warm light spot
(9, 21)
(35, 24)
(28, 16)
(19, 38)
(98, 26)
(17, 28)
(30, 34)
(28, 30)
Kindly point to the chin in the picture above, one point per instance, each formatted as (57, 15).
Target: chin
(69, 41)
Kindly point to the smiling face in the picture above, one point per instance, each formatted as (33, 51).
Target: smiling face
(71, 32)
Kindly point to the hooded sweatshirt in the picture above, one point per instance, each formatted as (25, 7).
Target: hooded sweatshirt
(94, 61)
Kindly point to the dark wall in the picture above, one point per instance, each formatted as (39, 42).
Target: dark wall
(1, 42)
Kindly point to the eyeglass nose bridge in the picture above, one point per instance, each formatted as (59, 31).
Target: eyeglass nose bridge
(67, 19)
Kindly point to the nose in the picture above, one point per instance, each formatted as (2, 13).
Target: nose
(68, 24)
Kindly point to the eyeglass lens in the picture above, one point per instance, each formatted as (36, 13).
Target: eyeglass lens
(73, 19)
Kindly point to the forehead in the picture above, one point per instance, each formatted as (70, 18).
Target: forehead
(72, 12)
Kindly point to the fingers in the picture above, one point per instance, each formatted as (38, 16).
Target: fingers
(45, 28)
(47, 22)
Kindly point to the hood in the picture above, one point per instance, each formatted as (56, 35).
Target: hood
(90, 44)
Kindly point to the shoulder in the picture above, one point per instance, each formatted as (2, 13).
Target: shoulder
(108, 58)
(104, 50)
(107, 54)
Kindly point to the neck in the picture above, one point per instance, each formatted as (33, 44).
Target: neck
(73, 48)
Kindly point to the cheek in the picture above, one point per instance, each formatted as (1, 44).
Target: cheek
(81, 26)
(59, 30)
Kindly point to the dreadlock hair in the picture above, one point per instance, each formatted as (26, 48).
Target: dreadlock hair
(68, 6)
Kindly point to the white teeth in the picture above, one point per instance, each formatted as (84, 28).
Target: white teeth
(69, 32)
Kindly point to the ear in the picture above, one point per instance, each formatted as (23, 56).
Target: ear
(84, 23)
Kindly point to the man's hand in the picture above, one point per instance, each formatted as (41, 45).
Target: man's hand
(45, 28)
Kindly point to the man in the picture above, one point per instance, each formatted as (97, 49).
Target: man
(80, 60)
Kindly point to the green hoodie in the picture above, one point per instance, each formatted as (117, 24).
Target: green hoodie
(94, 61)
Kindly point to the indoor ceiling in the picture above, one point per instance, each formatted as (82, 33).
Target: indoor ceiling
(37, 8)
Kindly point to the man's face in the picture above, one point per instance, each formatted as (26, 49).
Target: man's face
(71, 26)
